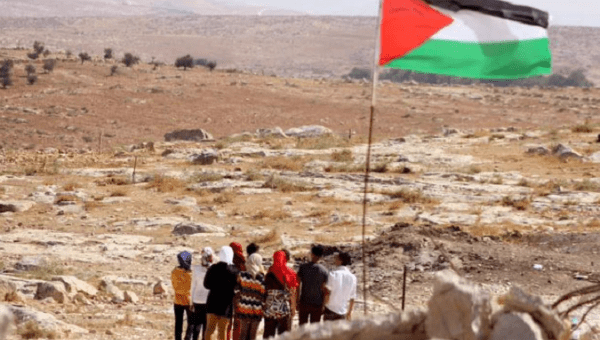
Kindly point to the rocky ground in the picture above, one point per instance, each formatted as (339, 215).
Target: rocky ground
(500, 184)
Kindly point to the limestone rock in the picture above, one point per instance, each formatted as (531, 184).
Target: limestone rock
(206, 157)
(74, 285)
(308, 131)
(31, 263)
(516, 326)
(116, 294)
(595, 157)
(80, 298)
(53, 289)
(518, 301)
(7, 287)
(538, 150)
(196, 135)
(272, 132)
(15, 206)
(458, 309)
(44, 320)
(404, 326)
(6, 319)
(131, 297)
(564, 152)
(195, 228)
(159, 288)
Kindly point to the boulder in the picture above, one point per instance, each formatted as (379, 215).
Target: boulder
(6, 319)
(516, 326)
(15, 206)
(520, 302)
(538, 150)
(195, 228)
(74, 285)
(206, 157)
(564, 152)
(595, 157)
(131, 297)
(31, 263)
(401, 326)
(53, 289)
(276, 132)
(196, 135)
(458, 309)
(308, 131)
(116, 294)
(159, 288)
(44, 321)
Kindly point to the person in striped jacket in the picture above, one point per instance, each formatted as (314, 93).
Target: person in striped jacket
(249, 299)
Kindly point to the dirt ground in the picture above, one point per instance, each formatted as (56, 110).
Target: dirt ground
(71, 107)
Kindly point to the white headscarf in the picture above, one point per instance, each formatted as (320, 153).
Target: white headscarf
(226, 255)
(254, 265)
(207, 256)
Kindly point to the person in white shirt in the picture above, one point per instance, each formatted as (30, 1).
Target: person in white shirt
(199, 293)
(341, 290)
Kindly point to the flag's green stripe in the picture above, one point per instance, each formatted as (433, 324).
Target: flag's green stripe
(497, 60)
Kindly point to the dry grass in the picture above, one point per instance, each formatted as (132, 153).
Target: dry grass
(113, 180)
(345, 155)
(583, 128)
(396, 205)
(524, 183)
(127, 320)
(65, 198)
(118, 192)
(587, 185)
(31, 330)
(224, 197)
(272, 237)
(206, 177)
(71, 186)
(295, 163)
(91, 205)
(165, 184)
(519, 203)
(254, 175)
(272, 214)
(45, 271)
(322, 142)
(410, 196)
(346, 167)
(286, 185)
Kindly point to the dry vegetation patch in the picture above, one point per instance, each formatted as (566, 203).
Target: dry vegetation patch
(165, 184)
(410, 196)
(31, 330)
(519, 203)
(287, 185)
(345, 155)
(295, 163)
(327, 141)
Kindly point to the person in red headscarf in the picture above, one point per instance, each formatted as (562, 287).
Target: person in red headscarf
(239, 260)
(281, 284)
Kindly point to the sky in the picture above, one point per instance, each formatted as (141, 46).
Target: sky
(563, 12)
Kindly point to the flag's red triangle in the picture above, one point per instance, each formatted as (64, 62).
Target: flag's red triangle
(406, 25)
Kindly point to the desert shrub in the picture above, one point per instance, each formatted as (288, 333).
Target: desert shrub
(359, 73)
(130, 59)
(326, 141)
(108, 53)
(46, 53)
(49, 65)
(207, 177)
(382, 167)
(587, 185)
(30, 69)
(120, 192)
(519, 203)
(200, 62)
(268, 238)
(84, 57)
(224, 197)
(68, 53)
(410, 196)
(46, 271)
(113, 70)
(186, 62)
(71, 186)
(346, 167)
(165, 184)
(583, 128)
(32, 330)
(38, 47)
(253, 175)
(524, 183)
(32, 79)
(6, 81)
(286, 185)
(271, 214)
(33, 55)
(342, 156)
(211, 65)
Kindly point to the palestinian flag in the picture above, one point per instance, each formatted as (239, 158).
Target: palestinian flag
(484, 39)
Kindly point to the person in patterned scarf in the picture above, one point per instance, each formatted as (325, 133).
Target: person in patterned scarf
(280, 306)
(249, 299)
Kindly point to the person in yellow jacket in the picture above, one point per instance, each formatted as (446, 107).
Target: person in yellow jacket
(181, 277)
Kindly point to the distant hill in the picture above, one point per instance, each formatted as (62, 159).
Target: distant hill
(114, 8)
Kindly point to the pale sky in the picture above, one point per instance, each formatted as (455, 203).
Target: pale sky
(564, 12)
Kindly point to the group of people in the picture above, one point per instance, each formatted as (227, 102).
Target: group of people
(233, 295)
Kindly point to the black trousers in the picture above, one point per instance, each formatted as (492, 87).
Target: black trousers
(199, 317)
(179, 311)
(331, 316)
(276, 327)
(312, 313)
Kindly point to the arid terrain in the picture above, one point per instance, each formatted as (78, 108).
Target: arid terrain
(489, 181)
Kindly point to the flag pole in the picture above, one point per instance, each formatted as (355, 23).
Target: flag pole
(368, 160)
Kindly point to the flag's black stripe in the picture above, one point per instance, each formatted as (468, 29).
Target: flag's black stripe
(497, 8)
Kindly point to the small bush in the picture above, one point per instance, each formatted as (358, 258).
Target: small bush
(113, 70)
(130, 59)
(360, 73)
(46, 53)
(342, 156)
(32, 79)
(118, 193)
(518, 203)
(347, 167)
(587, 185)
(186, 62)
(49, 65)
(38, 47)
(165, 184)
(224, 197)
(65, 198)
(410, 196)
(380, 167)
(583, 128)
(108, 53)
(323, 142)
(31, 330)
(211, 65)
(71, 186)
(295, 163)
(84, 57)
(207, 177)
(5, 82)
(33, 55)
(286, 185)
(253, 175)
(30, 69)
(68, 53)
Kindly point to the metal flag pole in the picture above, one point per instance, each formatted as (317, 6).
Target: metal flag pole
(368, 160)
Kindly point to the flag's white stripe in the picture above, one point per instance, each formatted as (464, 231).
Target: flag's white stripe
(471, 26)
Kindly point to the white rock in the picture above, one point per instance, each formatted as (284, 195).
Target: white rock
(516, 326)
(53, 289)
(15, 206)
(131, 297)
(74, 285)
(44, 320)
(272, 132)
(308, 131)
(458, 309)
(195, 228)
(6, 320)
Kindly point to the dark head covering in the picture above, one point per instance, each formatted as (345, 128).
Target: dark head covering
(185, 260)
